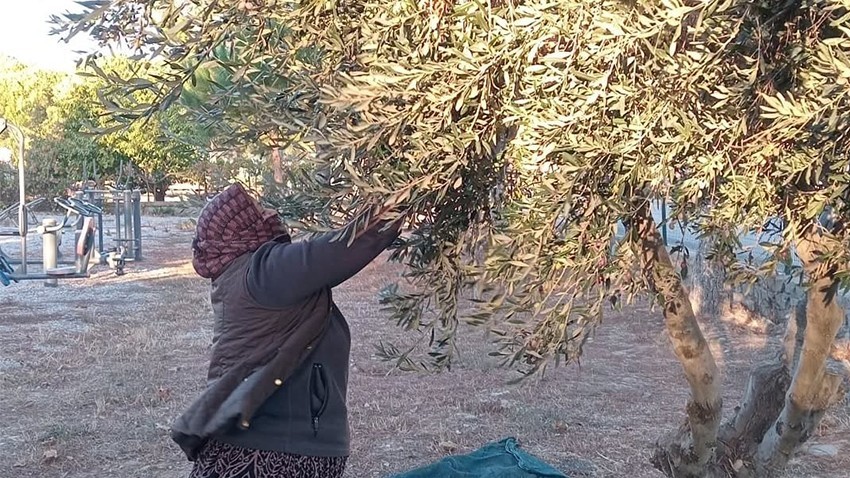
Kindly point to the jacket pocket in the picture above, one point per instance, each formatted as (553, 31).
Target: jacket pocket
(318, 395)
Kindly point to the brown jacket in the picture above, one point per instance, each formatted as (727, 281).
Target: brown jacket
(272, 307)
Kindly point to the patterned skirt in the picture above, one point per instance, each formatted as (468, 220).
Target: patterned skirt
(222, 460)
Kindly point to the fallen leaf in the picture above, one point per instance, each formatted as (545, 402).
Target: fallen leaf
(163, 394)
(560, 427)
(448, 446)
(50, 455)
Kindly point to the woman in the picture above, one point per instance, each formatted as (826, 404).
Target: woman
(275, 403)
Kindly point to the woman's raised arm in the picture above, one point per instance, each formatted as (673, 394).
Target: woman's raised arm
(282, 274)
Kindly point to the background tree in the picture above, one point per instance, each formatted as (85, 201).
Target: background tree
(219, 99)
(65, 152)
(164, 151)
(41, 102)
(26, 94)
(60, 113)
(530, 140)
(166, 145)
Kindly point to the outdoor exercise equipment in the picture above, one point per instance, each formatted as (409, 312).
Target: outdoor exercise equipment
(22, 203)
(81, 215)
(127, 241)
(6, 270)
(9, 216)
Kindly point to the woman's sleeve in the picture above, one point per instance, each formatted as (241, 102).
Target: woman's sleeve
(283, 274)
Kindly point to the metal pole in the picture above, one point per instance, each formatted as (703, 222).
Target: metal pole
(23, 223)
(33, 261)
(116, 201)
(50, 250)
(97, 200)
(137, 224)
(128, 222)
(79, 195)
(664, 221)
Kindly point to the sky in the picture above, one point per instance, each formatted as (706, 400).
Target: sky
(25, 34)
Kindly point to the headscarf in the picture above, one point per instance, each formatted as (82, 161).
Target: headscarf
(230, 225)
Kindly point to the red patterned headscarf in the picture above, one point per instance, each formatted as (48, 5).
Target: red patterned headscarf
(230, 225)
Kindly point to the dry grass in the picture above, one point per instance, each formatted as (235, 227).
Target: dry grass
(93, 372)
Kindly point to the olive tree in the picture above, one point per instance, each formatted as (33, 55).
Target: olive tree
(528, 140)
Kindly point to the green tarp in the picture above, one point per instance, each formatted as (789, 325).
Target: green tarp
(502, 459)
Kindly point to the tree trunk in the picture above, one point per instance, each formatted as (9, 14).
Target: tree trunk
(159, 192)
(160, 183)
(277, 166)
(812, 390)
(787, 394)
(686, 452)
(763, 401)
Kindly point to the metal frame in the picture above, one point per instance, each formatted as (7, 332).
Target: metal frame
(84, 244)
(23, 223)
(6, 214)
(127, 206)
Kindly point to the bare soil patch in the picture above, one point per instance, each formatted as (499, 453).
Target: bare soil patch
(93, 372)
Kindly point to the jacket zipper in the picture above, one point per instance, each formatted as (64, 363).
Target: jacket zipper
(317, 410)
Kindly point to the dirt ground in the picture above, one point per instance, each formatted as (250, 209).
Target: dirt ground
(93, 372)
